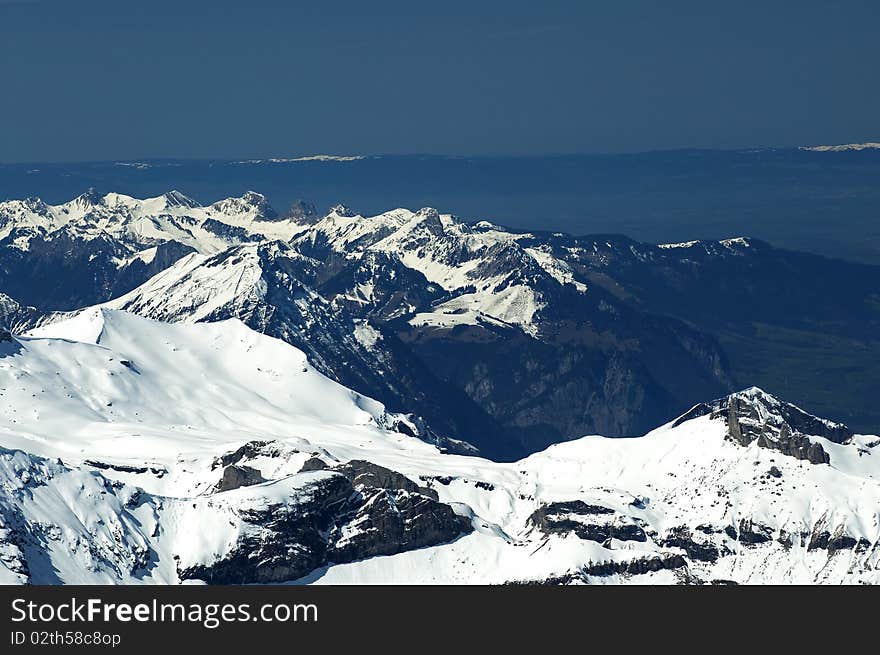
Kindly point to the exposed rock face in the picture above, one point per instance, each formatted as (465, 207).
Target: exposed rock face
(332, 521)
(832, 542)
(137, 271)
(388, 521)
(15, 317)
(833, 539)
(631, 567)
(638, 566)
(752, 533)
(251, 450)
(755, 416)
(8, 345)
(239, 476)
(286, 540)
(702, 550)
(591, 522)
(363, 474)
(68, 271)
(795, 445)
(572, 379)
(313, 464)
(377, 286)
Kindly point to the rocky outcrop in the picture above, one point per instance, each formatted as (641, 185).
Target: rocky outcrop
(590, 522)
(752, 533)
(15, 318)
(637, 566)
(389, 521)
(681, 537)
(355, 512)
(251, 450)
(794, 445)
(238, 476)
(313, 464)
(156, 470)
(834, 540)
(753, 416)
(363, 474)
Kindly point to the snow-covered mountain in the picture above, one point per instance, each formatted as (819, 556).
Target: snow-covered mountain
(143, 223)
(98, 247)
(270, 287)
(507, 340)
(489, 273)
(141, 451)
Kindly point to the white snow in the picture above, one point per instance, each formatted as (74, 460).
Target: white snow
(145, 223)
(559, 269)
(286, 160)
(682, 244)
(844, 147)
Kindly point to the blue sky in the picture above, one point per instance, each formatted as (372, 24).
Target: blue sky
(92, 79)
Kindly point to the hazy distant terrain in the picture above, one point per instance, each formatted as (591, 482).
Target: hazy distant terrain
(824, 202)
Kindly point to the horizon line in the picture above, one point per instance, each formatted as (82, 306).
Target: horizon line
(348, 158)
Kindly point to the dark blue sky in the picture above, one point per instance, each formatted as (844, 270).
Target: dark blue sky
(94, 79)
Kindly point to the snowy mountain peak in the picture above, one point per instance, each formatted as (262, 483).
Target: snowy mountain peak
(175, 198)
(35, 205)
(88, 199)
(755, 416)
(485, 225)
(251, 202)
(200, 287)
(343, 211)
(254, 198)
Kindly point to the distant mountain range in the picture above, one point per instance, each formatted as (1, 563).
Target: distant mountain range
(820, 199)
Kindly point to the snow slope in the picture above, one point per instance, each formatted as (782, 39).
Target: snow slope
(110, 381)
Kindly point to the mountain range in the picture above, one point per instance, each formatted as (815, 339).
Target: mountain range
(507, 340)
(354, 397)
(818, 199)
